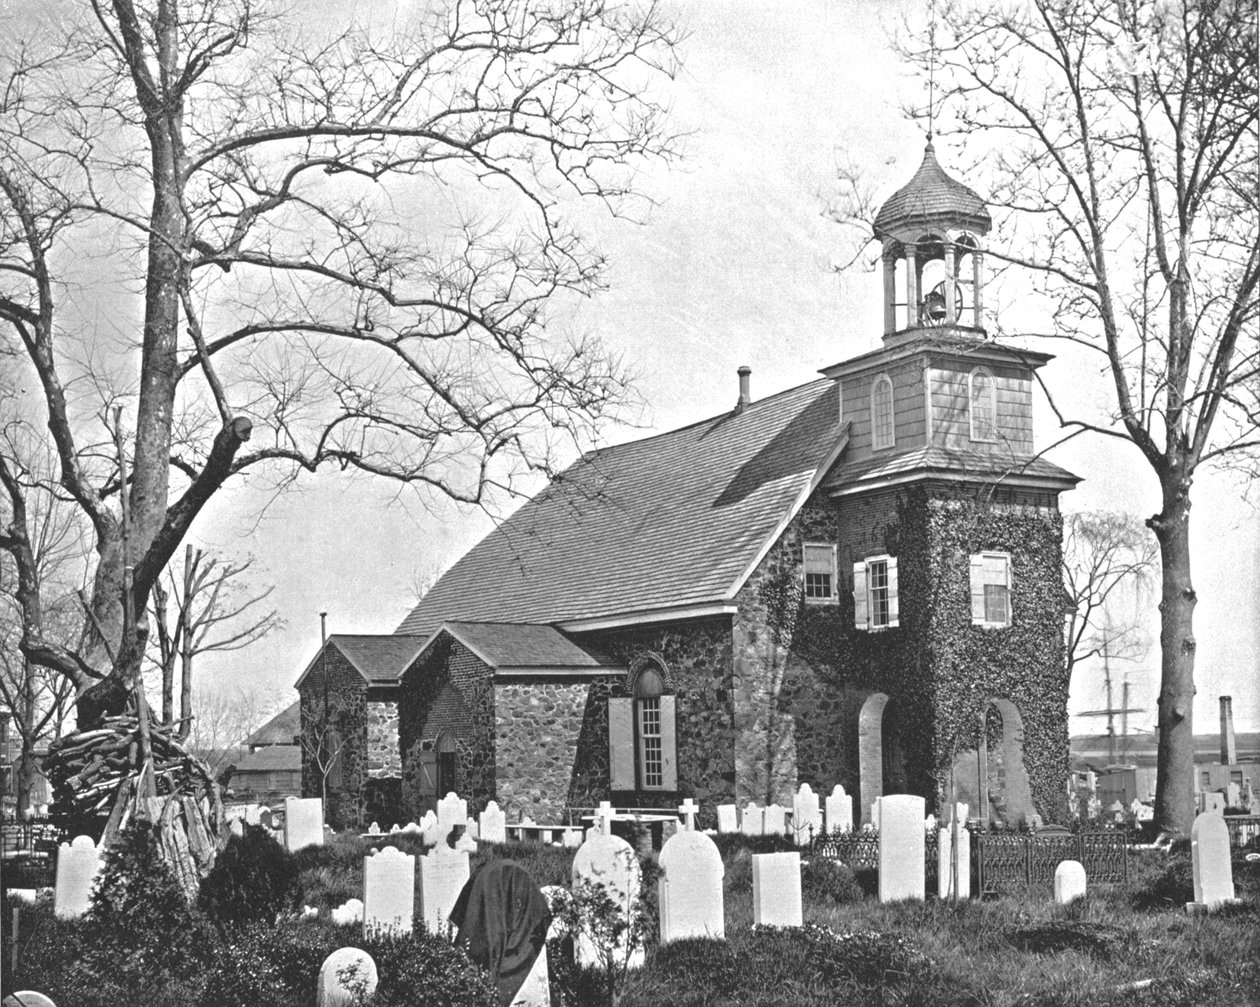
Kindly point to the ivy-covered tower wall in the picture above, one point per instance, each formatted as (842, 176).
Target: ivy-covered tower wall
(976, 671)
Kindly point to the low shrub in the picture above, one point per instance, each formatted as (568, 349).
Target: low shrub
(827, 880)
(423, 968)
(1162, 880)
(328, 875)
(254, 879)
(273, 965)
(547, 865)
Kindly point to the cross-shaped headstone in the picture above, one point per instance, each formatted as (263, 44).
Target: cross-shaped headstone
(605, 816)
(688, 810)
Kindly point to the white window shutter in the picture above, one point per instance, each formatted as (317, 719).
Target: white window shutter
(894, 608)
(621, 743)
(669, 744)
(860, 608)
(977, 590)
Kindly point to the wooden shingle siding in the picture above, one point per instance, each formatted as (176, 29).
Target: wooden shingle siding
(951, 418)
(909, 426)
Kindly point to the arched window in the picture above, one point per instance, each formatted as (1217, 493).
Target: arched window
(641, 733)
(983, 399)
(882, 413)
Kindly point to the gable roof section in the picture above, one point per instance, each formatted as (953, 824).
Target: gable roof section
(507, 646)
(280, 729)
(379, 658)
(668, 522)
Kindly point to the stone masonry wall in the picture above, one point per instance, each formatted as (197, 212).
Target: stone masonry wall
(383, 758)
(334, 698)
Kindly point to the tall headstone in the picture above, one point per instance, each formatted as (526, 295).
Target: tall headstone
(806, 814)
(389, 891)
(443, 874)
(777, 889)
(774, 820)
(752, 821)
(452, 810)
(902, 847)
(728, 818)
(690, 889)
(1209, 857)
(347, 977)
(78, 864)
(1069, 881)
(303, 823)
(947, 868)
(492, 824)
(607, 864)
(839, 808)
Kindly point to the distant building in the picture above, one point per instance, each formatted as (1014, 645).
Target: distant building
(270, 769)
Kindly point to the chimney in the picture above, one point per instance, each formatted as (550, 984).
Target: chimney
(1229, 752)
(745, 396)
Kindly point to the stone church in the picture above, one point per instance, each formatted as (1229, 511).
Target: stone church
(854, 581)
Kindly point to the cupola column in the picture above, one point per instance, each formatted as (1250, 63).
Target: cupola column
(951, 278)
(977, 287)
(890, 290)
(912, 286)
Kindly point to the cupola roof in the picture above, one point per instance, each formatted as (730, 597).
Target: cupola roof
(931, 197)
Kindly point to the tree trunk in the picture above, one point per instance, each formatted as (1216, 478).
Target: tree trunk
(1174, 782)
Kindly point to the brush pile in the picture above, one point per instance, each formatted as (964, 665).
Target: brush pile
(100, 782)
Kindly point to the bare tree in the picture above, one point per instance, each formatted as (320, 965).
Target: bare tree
(1118, 141)
(213, 611)
(1109, 561)
(225, 719)
(347, 244)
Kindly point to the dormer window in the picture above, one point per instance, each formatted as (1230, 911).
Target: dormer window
(983, 405)
(882, 413)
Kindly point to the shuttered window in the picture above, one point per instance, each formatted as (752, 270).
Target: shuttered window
(642, 737)
(876, 604)
(991, 589)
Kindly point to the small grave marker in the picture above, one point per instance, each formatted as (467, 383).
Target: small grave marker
(1210, 861)
(687, 810)
(608, 863)
(492, 824)
(78, 864)
(452, 810)
(777, 889)
(773, 820)
(303, 823)
(899, 818)
(347, 977)
(752, 821)
(1069, 881)
(806, 814)
(443, 873)
(945, 861)
(350, 911)
(839, 808)
(728, 818)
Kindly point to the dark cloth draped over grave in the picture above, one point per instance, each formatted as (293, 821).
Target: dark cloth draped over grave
(501, 918)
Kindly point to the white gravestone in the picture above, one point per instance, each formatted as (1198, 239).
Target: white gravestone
(752, 821)
(773, 821)
(78, 864)
(777, 889)
(1209, 856)
(608, 863)
(350, 911)
(471, 828)
(443, 874)
(839, 808)
(571, 838)
(347, 977)
(899, 818)
(728, 818)
(690, 889)
(604, 817)
(929, 824)
(389, 891)
(28, 998)
(535, 991)
(687, 811)
(429, 833)
(806, 814)
(945, 862)
(465, 843)
(492, 824)
(1069, 881)
(1233, 795)
(452, 810)
(303, 823)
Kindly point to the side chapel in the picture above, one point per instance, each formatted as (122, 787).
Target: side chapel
(854, 581)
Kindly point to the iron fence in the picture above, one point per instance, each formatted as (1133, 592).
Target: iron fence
(1005, 860)
(28, 853)
(859, 851)
(1244, 831)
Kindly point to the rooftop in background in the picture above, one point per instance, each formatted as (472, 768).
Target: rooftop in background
(279, 730)
(1140, 749)
(271, 759)
(503, 645)
(379, 658)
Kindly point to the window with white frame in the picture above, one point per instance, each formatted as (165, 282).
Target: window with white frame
(882, 413)
(642, 738)
(983, 405)
(991, 589)
(820, 573)
(875, 602)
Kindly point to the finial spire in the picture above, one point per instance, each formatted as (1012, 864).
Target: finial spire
(931, 69)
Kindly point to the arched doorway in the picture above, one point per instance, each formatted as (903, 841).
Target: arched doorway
(447, 765)
(871, 752)
(992, 778)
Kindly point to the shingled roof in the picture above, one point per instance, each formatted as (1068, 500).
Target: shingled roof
(668, 522)
(949, 463)
(509, 646)
(932, 197)
(379, 658)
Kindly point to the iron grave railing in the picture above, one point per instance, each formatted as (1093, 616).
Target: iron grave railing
(1005, 860)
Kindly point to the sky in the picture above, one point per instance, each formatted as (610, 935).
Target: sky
(734, 266)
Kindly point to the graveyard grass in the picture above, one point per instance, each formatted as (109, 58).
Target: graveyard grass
(1116, 946)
